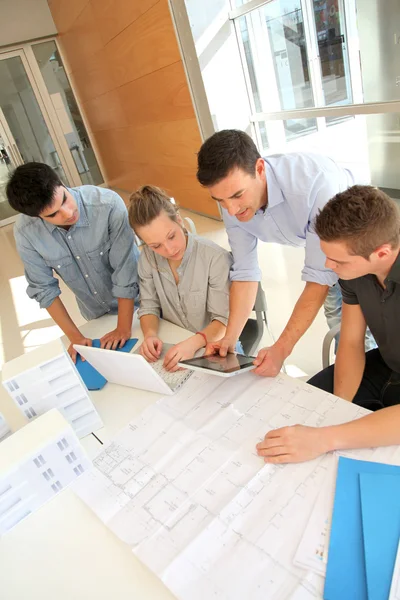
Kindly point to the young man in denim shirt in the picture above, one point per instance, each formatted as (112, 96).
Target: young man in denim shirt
(84, 236)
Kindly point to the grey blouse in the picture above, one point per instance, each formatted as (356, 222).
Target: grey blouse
(202, 294)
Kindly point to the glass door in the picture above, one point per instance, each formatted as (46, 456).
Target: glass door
(9, 160)
(25, 128)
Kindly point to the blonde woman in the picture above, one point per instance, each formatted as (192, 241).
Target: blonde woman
(182, 277)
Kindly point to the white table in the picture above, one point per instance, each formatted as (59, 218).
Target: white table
(63, 551)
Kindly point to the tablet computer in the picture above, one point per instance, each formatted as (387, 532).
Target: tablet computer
(224, 366)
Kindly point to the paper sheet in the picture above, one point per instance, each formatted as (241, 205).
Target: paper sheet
(312, 552)
(55, 384)
(183, 486)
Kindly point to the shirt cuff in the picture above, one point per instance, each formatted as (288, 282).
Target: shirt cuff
(244, 275)
(130, 292)
(142, 312)
(223, 320)
(321, 277)
(45, 298)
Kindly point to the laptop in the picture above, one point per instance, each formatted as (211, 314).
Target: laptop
(132, 370)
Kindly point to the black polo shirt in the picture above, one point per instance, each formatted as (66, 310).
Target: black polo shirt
(381, 310)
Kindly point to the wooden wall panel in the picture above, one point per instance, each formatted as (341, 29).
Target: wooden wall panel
(159, 96)
(65, 13)
(113, 16)
(146, 45)
(124, 63)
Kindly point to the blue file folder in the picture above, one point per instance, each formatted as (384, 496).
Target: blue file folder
(346, 573)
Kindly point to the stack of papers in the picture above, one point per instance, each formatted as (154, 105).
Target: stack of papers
(365, 532)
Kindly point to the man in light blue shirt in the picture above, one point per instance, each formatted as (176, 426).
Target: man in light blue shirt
(83, 235)
(274, 199)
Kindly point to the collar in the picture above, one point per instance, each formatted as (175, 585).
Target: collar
(275, 195)
(188, 252)
(394, 273)
(83, 220)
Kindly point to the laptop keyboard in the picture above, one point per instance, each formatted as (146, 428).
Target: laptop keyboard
(173, 380)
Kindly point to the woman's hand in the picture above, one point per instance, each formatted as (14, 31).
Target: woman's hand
(151, 348)
(181, 351)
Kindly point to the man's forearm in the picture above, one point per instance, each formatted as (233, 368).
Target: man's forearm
(304, 313)
(125, 313)
(349, 369)
(381, 428)
(149, 325)
(60, 315)
(242, 296)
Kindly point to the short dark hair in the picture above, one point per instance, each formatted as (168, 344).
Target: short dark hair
(363, 217)
(31, 188)
(224, 151)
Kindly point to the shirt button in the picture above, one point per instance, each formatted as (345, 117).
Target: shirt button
(86, 275)
(101, 254)
(69, 237)
(78, 257)
(94, 293)
(58, 266)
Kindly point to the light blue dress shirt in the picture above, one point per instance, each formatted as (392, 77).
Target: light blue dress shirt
(299, 186)
(97, 257)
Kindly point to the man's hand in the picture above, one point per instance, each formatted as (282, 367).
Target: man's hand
(115, 339)
(82, 341)
(221, 347)
(181, 351)
(297, 443)
(269, 361)
(151, 348)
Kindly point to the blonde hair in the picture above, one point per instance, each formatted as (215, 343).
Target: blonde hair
(147, 203)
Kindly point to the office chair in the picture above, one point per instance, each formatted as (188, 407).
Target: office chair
(326, 345)
(254, 328)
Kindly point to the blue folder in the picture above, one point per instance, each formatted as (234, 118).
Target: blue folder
(380, 509)
(92, 378)
(345, 573)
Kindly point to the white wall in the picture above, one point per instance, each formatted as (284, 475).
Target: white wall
(22, 20)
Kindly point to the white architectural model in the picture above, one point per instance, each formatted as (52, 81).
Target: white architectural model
(36, 463)
(38, 386)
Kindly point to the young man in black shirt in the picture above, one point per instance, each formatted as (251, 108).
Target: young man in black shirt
(359, 230)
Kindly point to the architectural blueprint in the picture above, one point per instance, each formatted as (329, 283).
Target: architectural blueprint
(183, 486)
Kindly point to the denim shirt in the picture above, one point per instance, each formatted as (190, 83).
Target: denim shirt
(97, 257)
(299, 186)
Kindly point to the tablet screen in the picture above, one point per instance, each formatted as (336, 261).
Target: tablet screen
(226, 364)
